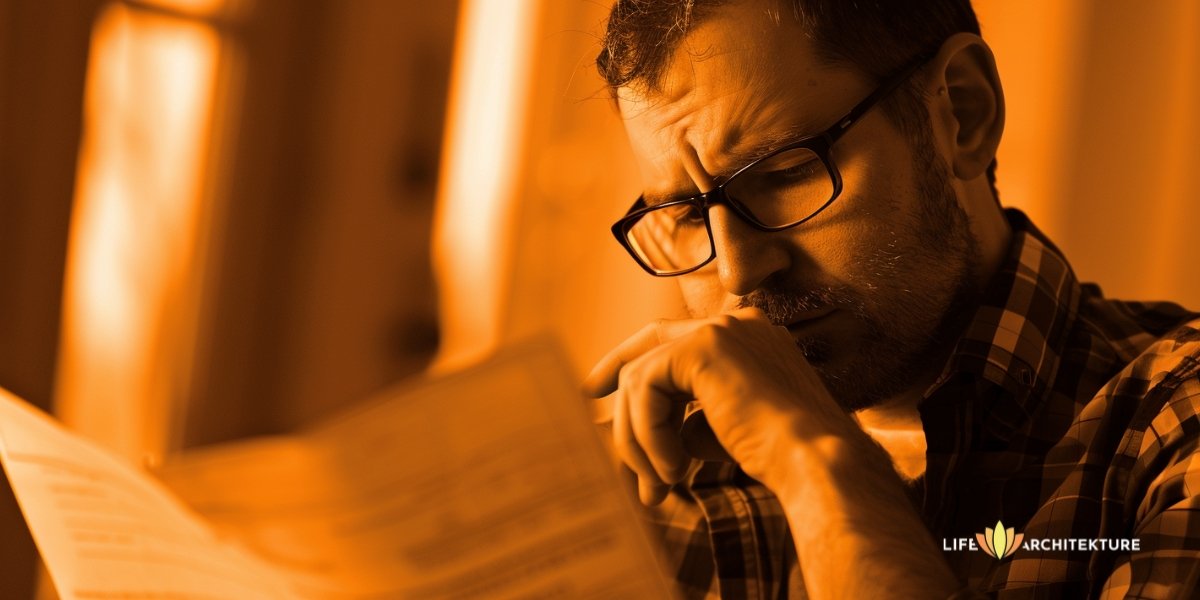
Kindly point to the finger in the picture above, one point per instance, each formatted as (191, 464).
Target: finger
(752, 314)
(601, 409)
(603, 378)
(668, 378)
(655, 415)
(627, 447)
(650, 493)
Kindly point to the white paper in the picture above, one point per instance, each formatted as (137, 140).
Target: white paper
(490, 483)
(105, 530)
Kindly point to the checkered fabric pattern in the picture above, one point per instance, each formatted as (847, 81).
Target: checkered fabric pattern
(1062, 413)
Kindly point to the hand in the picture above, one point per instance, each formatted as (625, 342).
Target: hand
(762, 399)
(773, 415)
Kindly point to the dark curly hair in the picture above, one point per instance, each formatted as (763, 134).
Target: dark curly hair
(876, 37)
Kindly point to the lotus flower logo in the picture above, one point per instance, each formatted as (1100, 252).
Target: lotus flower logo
(999, 542)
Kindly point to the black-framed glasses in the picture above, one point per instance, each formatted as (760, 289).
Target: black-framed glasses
(781, 190)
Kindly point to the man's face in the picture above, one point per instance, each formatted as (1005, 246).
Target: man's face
(875, 286)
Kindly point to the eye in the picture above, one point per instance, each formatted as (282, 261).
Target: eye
(681, 215)
(800, 171)
(690, 218)
(798, 164)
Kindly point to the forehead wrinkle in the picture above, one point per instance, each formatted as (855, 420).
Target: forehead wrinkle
(670, 123)
(746, 149)
(742, 144)
(686, 134)
(743, 123)
(738, 125)
(723, 101)
(763, 123)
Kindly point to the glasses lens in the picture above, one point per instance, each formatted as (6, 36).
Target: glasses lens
(784, 188)
(671, 238)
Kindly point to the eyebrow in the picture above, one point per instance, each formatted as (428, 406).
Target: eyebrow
(739, 157)
(766, 144)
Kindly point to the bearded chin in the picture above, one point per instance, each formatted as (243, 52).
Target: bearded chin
(845, 376)
(857, 379)
(845, 381)
(816, 349)
(882, 360)
(911, 296)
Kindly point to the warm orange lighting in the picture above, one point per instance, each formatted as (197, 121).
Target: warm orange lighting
(201, 8)
(487, 122)
(1179, 93)
(135, 226)
(1039, 52)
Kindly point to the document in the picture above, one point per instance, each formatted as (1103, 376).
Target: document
(106, 530)
(490, 483)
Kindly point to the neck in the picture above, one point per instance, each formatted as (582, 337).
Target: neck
(896, 426)
(988, 226)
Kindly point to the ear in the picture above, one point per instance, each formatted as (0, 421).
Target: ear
(967, 103)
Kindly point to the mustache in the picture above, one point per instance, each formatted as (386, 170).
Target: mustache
(785, 305)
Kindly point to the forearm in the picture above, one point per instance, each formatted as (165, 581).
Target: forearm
(856, 532)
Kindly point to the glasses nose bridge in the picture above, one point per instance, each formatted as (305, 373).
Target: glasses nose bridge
(713, 197)
(718, 197)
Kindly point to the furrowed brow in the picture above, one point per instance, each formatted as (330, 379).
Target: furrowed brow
(763, 145)
(739, 157)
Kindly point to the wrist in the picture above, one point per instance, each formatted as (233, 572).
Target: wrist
(849, 514)
(815, 469)
(845, 488)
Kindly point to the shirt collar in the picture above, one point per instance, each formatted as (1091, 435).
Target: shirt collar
(1016, 338)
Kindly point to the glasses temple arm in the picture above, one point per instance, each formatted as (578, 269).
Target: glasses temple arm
(869, 102)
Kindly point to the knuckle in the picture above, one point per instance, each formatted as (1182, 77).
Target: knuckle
(710, 332)
(624, 446)
(645, 431)
(655, 329)
(621, 440)
(628, 376)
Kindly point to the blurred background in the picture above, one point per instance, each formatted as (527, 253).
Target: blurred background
(221, 218)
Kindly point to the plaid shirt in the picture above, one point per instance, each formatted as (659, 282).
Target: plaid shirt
(1063, 414)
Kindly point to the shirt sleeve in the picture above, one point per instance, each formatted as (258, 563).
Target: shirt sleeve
(1167, 517)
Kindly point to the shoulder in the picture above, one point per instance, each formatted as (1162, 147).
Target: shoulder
(1159, 390)
(1129, 328)
(1145, 419)
(1166, 363)
(1139, 355)
(1160, 379)
(1171, 369)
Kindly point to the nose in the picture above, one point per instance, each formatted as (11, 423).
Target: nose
(746, 257)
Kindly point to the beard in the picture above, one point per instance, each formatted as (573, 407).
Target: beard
(912, 297)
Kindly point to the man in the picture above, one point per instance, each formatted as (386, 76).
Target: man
(890, 360)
